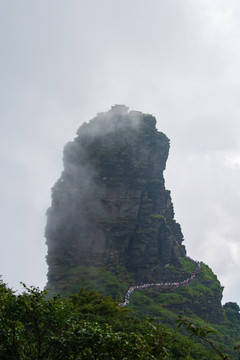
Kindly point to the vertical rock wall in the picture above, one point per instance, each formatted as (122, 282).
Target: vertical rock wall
(110, 205)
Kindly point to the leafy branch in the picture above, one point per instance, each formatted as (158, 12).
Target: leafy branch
(202, 333)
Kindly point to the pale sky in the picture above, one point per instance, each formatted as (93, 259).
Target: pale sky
(64, 61)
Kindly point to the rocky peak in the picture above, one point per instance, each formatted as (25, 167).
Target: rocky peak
(110, 205)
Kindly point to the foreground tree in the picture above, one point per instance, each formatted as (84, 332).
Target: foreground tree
(33, 327)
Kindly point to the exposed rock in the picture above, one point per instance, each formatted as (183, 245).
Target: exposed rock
(110, 205)
(111, 223)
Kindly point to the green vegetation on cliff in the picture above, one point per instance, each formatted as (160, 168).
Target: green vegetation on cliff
(199, 301)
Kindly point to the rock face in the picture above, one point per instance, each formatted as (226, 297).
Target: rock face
(110, 205)
(111, 223)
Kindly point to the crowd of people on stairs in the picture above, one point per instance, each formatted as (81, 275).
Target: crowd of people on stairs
(161, 285)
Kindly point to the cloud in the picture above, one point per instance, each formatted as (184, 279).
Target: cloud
(207, 205)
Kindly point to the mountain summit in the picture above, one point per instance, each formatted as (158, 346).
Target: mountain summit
(110, 205)
(111, 224)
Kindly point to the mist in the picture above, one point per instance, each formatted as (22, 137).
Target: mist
(62, 64)
(80, 195)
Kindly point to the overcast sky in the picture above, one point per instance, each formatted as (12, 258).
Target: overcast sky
(62, 61)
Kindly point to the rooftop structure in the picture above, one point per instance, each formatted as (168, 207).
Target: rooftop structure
(119, 109)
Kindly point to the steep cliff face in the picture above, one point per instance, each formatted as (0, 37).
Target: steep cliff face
(111, 223)
(110, 205)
